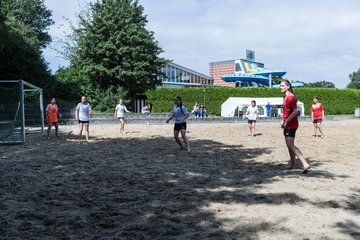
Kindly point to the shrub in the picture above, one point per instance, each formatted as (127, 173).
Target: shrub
(335, 101)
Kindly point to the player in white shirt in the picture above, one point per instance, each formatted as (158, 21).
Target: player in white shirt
(252, 115)
(120, 110)
(83, 114)
(180, 113)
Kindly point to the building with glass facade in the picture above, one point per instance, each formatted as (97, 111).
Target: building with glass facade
(179, 76)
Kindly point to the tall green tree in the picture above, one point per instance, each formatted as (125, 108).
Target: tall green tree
(23, 34)
(31, 13)
(320, 84)
(354, 80)
(113, 48)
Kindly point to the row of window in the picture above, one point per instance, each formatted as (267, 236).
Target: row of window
(173, 74)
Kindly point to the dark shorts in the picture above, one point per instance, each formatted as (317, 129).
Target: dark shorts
(290, 132)
(317, 121)
(121, 118)
(180, 126)
(251, 121)
(83, 121)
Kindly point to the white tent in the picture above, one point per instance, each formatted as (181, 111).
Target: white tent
(236, 106)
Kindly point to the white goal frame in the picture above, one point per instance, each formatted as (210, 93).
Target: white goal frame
(26, 87)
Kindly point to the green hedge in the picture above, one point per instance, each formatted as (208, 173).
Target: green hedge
(335, 101)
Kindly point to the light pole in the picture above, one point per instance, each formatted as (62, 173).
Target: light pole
(204, 97)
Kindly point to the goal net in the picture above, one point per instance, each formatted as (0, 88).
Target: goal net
(21, 111)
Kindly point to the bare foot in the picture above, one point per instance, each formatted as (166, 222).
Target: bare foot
(306, 169)
(189, 149)
(292, 167)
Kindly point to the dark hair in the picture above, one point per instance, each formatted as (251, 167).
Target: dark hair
(179, 98)
(253, 101)
(316, 97)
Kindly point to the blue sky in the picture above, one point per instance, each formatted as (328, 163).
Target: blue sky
(312, 40)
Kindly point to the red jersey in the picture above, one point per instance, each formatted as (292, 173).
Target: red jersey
(288, 107)
(317, 110)
(52, 111)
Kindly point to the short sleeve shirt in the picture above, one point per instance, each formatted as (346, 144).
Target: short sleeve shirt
(179, 113)
(84, 111)
(252, 111)
(120, 110)
(317, 110)
(290, 103)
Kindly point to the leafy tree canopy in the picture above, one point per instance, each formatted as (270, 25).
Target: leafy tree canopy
(31, 13)
(22, 35)
(355, 80)
(320, 84)
(113, 48)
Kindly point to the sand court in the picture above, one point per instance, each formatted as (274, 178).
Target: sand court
(141, 186)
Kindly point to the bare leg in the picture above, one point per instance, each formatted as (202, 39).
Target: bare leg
(320, 129)
(253, 129)
(56, 129)
(315, 131)
(250, 126)
(176, 136)
(81, 129)
(122, 126)
(48, 130)
(291, 146)
(292, 158)
(86, 131)
(186, 140)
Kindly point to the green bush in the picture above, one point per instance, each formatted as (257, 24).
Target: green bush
(335, 101)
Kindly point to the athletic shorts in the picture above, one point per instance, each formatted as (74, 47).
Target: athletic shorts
(180, 126)
(251, 121)
(317, 121)
(83, 121)
(121, 118)
(290, 132)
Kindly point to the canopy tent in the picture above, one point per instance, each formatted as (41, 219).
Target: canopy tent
(236, 106)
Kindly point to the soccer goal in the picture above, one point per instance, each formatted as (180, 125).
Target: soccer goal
(21, 111)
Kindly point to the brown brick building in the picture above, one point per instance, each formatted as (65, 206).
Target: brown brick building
(217, 69)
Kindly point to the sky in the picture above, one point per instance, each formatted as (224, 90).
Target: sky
(311, 40)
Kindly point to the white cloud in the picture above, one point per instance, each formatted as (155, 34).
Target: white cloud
(312, 40)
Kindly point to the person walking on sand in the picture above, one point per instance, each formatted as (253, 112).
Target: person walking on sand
(120, 110)
(83, 114)
(290, 124)
(317, 116)
(52, 113)
(180, 113)
(252, 114)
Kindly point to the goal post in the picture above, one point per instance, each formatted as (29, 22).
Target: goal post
(21, 111)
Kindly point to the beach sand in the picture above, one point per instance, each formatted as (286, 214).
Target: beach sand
(141, 186)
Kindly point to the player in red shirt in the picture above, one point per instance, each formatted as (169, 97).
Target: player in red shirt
(52, 113)
(290, 124)
(317, 115)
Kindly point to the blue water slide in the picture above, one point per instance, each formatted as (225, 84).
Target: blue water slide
(245, 77)
(266, 72)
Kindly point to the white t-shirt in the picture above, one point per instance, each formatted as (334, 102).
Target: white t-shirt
(120, 110)
(178, 114)
(84, 111)
(252, 112)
